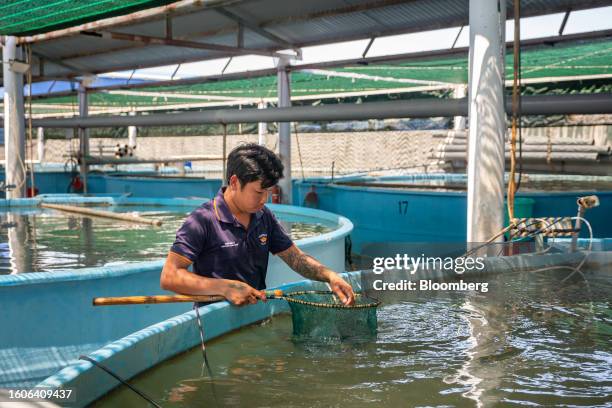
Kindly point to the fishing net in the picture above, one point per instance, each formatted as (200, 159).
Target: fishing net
(320, 315)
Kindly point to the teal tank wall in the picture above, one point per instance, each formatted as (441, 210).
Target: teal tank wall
(391, 214)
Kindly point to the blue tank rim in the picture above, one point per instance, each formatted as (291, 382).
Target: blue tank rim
(458, 177)
(344, 228)
(151, 179)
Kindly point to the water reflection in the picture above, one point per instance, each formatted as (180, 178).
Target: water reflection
(539, 338)
(19, 258)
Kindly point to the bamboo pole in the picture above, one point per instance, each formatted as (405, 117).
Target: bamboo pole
(104, 214)
(141, 300)
(154, 299)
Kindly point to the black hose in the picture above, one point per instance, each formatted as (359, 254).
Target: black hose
(121, 380)
(204, 354)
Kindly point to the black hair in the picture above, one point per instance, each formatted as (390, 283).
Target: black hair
(251, 162)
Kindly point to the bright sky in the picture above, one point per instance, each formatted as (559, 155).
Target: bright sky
(533, 27)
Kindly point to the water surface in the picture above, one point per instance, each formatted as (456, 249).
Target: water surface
(42, 240)
(532, 340)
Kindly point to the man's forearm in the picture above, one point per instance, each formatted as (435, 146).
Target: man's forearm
(184, 282)
(306, 265)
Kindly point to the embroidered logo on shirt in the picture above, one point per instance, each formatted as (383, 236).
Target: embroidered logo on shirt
(229, 244)
(263, 239)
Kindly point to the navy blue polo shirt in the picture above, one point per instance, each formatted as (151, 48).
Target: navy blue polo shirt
(220, 247)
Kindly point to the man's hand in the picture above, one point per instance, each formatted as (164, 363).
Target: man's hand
(310, 268)
(342, 289)
(240, 293)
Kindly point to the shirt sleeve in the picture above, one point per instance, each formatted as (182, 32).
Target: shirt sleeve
(279, 239)
(191, 237)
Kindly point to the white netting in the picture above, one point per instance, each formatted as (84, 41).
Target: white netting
(312, 154)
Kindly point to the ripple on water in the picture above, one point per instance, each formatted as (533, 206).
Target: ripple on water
(531, 340)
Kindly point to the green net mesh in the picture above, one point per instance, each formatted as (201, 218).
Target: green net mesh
(319, 315)
(39, 16)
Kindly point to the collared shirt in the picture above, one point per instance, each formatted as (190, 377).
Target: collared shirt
(220, 247)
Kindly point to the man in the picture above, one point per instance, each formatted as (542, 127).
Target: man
(228, 238)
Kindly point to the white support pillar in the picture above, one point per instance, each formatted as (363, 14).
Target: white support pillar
(262, 127)
(14, 120)
(487, 120)
(83, 134)
(132, 133)
(40, 143)
(284, 129)
(459, 122)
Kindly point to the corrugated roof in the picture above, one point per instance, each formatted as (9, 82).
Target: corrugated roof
(267, 26)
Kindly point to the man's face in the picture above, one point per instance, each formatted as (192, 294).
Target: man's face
(250, 197)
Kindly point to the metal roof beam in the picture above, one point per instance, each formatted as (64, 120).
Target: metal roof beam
(168, 27)
(564, 22)
(72, 67)
(240, 36)
(256, 29)
(147, 39)
(367, 48)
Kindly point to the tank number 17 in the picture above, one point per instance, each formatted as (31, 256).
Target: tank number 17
(403, 207)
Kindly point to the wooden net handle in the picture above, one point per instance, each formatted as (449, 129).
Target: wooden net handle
(142, 300)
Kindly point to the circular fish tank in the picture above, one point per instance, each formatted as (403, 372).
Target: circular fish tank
(60, 261)
(535, 336)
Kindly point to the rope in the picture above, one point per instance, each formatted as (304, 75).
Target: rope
(203, 345)
(121, 380)
(521, 229)
(578, 268)
(206, 364)
(297, 139)
(493, 238)
(512, 187)
(520, 116)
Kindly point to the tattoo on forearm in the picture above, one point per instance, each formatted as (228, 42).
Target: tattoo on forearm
(236, 286)
(305, 265)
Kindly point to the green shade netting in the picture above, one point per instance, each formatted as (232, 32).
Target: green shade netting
(28, 17)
